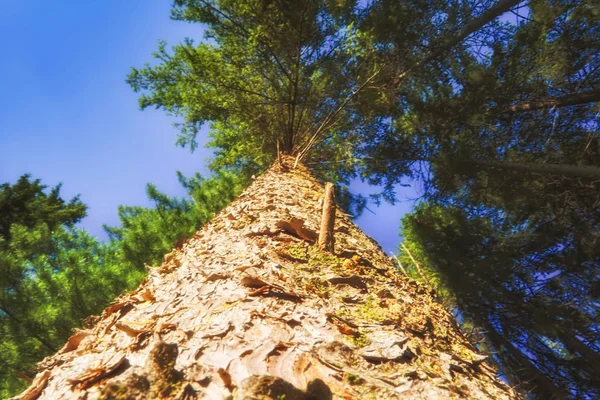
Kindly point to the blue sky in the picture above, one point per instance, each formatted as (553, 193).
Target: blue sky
(67, 115)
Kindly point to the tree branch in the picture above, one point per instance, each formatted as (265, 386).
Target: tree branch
(590, 96)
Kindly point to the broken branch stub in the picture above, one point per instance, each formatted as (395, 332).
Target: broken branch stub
(326, 240)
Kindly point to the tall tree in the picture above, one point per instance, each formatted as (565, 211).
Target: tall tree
(252, 308)
(368, 87)
(27, 204)
(316, 79)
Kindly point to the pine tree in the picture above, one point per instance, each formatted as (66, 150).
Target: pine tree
(147, 234)
(368, 87)
(537, 310)
(52, 276)
(250, 307)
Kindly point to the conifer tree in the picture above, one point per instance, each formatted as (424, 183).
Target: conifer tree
(369, 88)
(52, 276)
(147, 234)
(251, 307)
(537, 297)
(506, 142)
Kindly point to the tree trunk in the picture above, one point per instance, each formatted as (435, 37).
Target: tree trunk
(251, 308)
(575, 171)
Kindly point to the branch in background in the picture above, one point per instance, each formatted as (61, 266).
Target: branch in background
(471, 27)
(21, 375)
(416, 264)
(573, 171)
(590, 96)
(395, 258)
(485, 18)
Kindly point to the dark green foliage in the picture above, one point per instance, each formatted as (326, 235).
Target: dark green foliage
(52, 276)
(514, 248)
(526, 287)
(26, 203)
(496, 120)
(459, 108)
(147, 234)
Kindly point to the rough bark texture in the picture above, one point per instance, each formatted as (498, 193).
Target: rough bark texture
(250, 308)
(326, 236)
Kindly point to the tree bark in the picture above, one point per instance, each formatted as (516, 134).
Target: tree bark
(251, 308)
(326, 240)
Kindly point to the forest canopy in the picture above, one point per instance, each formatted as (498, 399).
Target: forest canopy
(491, 106)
